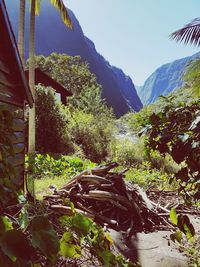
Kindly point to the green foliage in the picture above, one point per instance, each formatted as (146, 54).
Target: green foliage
(67, 247)
(51, 122)
(92, 134)
(89, 232)
(74, 74)
(126, 153)
(147, 177)
(191, 77)
(184, 225)
(182, 96)
(173, 216)
(177, 132)
(140, 119)
(130, 154)
(46, 165)
(71, 72)
(20, 249)
(44, 237)
(87, 124)
(27, 239)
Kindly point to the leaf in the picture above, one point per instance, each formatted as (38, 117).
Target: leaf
(44, 237)
(70, 250)
(15, 244)
(23, 218)
(81, 224)
(108, 237)
(173, 216)
(67, 248)
(72, 206)
(186, 227)
(177, 236)
(5, 225)
(107, 257)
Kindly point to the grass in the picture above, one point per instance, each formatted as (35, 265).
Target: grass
(149, 178)
(42, 185)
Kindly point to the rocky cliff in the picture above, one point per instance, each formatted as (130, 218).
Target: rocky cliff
(165, 80)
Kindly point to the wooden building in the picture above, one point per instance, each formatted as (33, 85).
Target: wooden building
(14, 91)
(44, 79)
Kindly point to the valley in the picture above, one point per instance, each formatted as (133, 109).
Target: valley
(94, 170)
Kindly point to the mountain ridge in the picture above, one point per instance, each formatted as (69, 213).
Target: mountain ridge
(165, 79)
(119, 92)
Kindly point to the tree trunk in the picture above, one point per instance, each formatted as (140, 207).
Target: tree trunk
(21, 30)
(31, 149)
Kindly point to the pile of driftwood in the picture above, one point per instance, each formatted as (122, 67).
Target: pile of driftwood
(103, 195)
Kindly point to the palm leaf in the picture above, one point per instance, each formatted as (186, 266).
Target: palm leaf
(190, 33)
(63, 11)
(37, 6)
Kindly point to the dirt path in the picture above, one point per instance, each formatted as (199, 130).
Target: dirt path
(151, 249)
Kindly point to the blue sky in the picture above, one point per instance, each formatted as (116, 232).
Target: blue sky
(134, 34)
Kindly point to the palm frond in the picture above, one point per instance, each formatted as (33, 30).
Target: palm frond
(37, 6)
(190, 33)
(63, 11)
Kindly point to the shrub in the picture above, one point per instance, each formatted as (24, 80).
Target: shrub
(46, 165)
(51, 121)
(177, 132)
(147, 177)
(140, 119)
(90, 134)
(126, 153)
(165, 163)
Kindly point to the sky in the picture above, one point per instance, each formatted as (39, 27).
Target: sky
(134, 34)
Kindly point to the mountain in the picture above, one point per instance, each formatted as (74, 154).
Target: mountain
(164, 80)
(53, 36)
(139, 88)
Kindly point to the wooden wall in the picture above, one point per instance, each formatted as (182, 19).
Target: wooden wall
(10, 97)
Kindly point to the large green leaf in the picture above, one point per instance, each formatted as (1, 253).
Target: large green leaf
(107, 256)
(67, 248)
(185, 226)
(44, 237)
(81, 224)
(14, 243)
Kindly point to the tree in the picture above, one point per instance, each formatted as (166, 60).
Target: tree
(35, 7)
(31, 134)
(51, 122)
(89, 120)
(21, 29)
(74, 74)
(190, 33)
